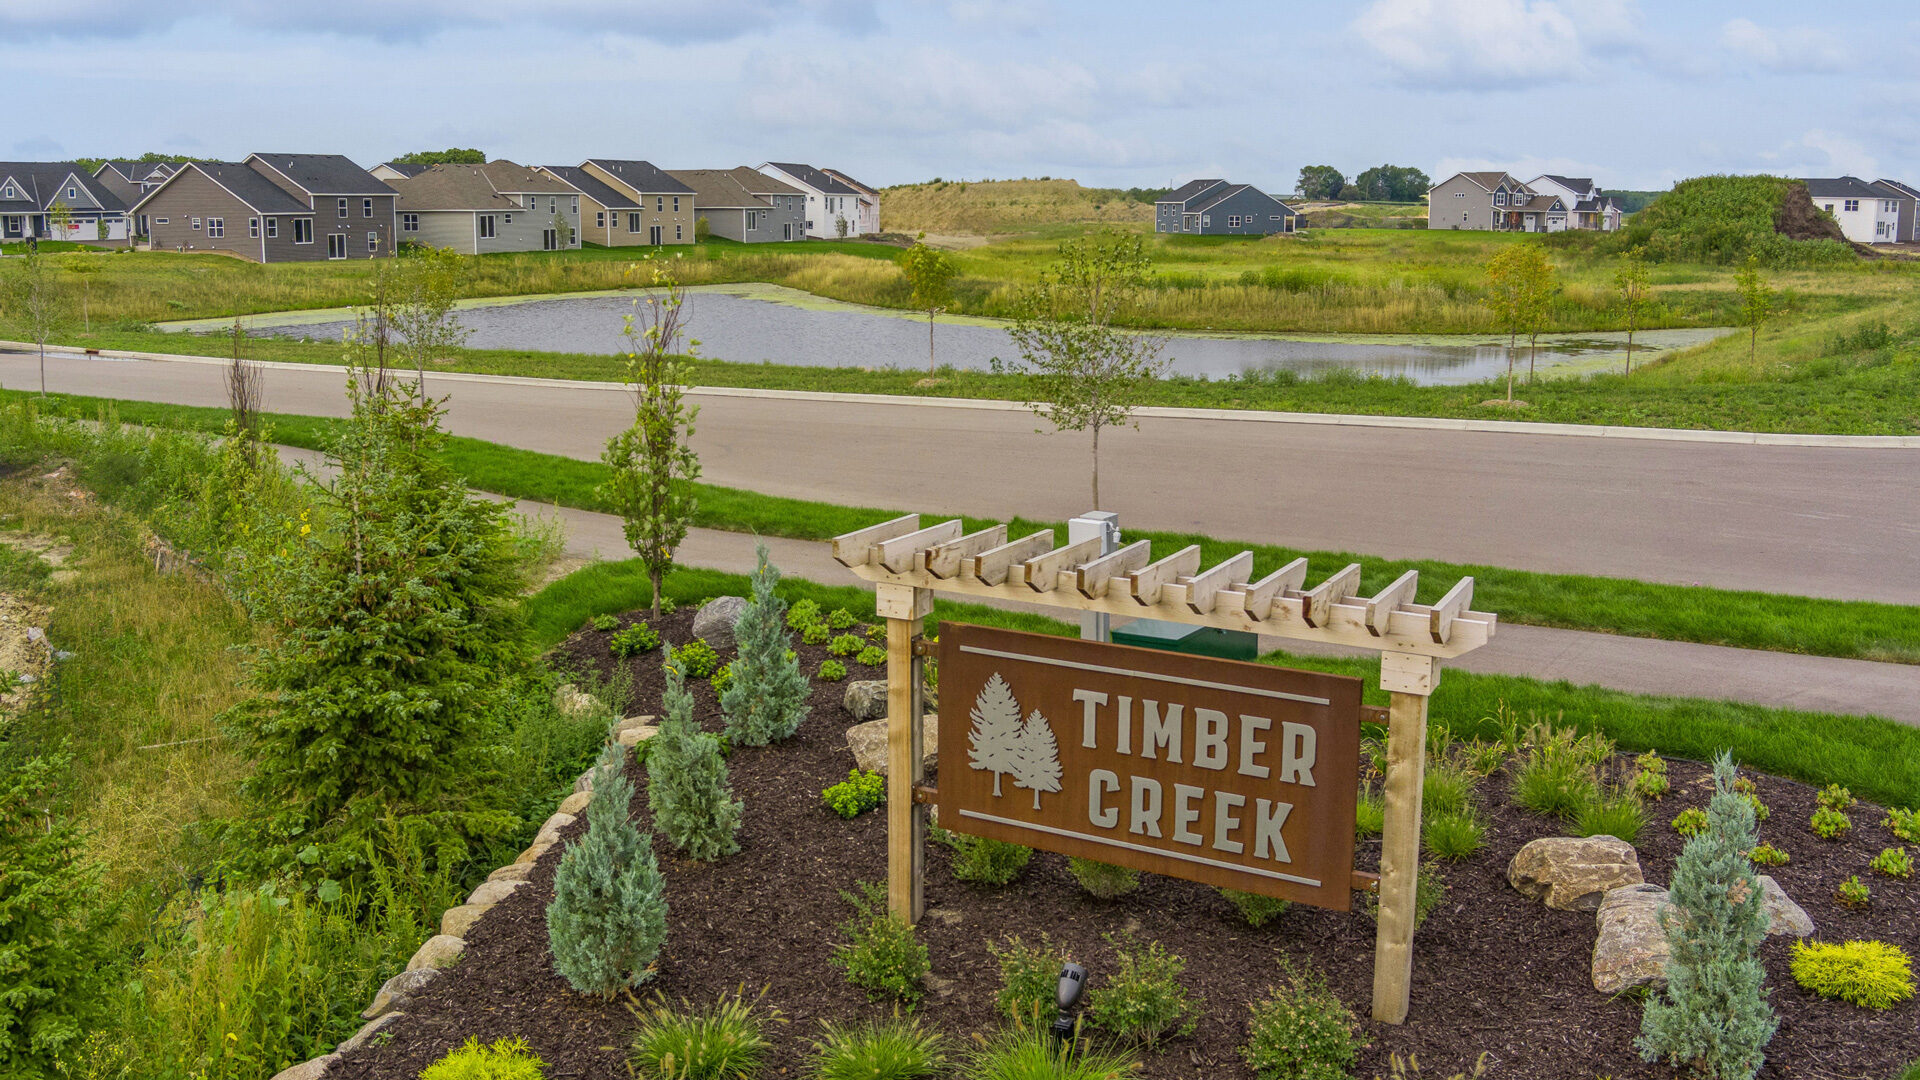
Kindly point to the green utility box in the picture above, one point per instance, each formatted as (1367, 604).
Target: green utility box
(1192, 640)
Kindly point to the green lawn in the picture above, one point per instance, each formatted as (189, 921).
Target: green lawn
(1856, 629)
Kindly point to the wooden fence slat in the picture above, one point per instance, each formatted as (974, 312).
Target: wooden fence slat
(1316, 601)
(1144, 584)
(1043, 572)
(856, 548)
(1380, 608)
(990, 567)
(1457, 600)
(1091, 580)
(943, 561)
(1205, 586)
(902, 553)
(1257, 599)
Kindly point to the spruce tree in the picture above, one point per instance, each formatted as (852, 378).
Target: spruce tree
(767, 698)
(1714, 1014)
(608, 917)
(687, 789)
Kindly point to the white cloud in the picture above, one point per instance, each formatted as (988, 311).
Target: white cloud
(920, 91)
(1472, 44)
(1837, 155)
(1794, 50)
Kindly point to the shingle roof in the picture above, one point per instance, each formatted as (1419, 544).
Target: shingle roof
(513, 177)
(404, 168)
(1189, 190)
(1492, 180)
(643, 176)
(1215, 197)
(718, 189)
(813, 178)
(40, 182)
(760, 183)
(248, 186)
(324, 174)
(850, 182)
(592, 187)
(451, 187)
(1580, 184)
(1906, 190)
(1842, 187)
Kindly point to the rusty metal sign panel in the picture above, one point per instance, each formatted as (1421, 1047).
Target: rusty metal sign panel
(1234, 774)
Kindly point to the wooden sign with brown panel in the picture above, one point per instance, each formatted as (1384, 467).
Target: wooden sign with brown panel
(1233, 774)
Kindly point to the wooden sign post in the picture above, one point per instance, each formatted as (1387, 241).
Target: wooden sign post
(908, 564)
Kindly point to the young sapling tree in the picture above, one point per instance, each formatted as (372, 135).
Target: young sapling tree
(1635, 292)
(930, 274)
(1756, 302)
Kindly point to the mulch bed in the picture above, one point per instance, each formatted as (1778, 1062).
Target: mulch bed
(1494, 972)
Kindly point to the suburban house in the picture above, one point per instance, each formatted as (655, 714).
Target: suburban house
(834, 202)
(131, 180)
(273, 208)
(659, 211)
(1868, 213)
(1909, 210)
(1218, 208)
(746, 205)
(499, 206)
(1495, 201)
(58, 200)
(602, 209)
(1589, 209)
(389, 171)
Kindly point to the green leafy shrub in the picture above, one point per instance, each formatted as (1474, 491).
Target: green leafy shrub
(831, 671)
(1029, 979)
(1557, 775)
(608, 917)
(1429, 889)
(857, 794)
(634, 640)
(1870, 973)
(721, 679)
(872, 656)
(687, 784)
(1369, 813)
(1022, 1053)
(802, 614)
(1453, 834)
(889, 1050)
(602, 623)
(1103, 880)
(1853, 893)
(984, 860)
(815, 633)
(1904, 824)
(507, 1059)
(1618, 813)
(881, 955)
(1836, 798)
(1256, 908)
(1748, 790)
(841, 619)
(1650, 776)
(846, 645)
(1713, 1015)
(1830, 824)
(1302, 1031)
(696, 659)
(1892, 862)
(1142, 999)
(877, 632)
(1767, 855)
(1690, 822)
(721, 1042)
(766, 699)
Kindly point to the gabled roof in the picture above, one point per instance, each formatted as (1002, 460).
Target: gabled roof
(1188, 191)
(814, 178)
(517, 179)
(40, 183)
(1906, 190)
(404, 168)
(719, 189)
(450, 187)
(760, 183)
(323, 174)
(1221, 194)
(1492, 180)
(1539, 202)
(851, 182)
(1577, 184)
(1843, 187)
(243, 182)
(592, 187)
(642, 176)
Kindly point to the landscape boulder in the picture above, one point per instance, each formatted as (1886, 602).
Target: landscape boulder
(456, 921)
(868, 742)
(866, 699)
(440, 951)
(367, 1031)
(394, 990)
(573, 701)
(489, 893)
(1572, 873)
(1783, 915)
(635, 734)
(550, 832)
(307, 1070)
(575, 802)
(715, 619)
(519, 871)
(1632, 947)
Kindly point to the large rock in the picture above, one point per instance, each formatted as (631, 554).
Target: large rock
(1632, 947)
(575, 802)
(456, 921)
(519, 871)
(634, 736)
(868, 742)
(1783, 915)
(1572, 873)
(574, 702)
(490, 893)
(866, 699)
(367, 1031)
(307, 1070)
(715, 619)
(550, 831)
(395, 990)
(440, 950)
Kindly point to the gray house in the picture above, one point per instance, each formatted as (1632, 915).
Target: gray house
(1218, 208)
(745, 205)
(131, 180)
(1495, 201)
(35, 196)
(499, 206)
(1909, 211)
(273, 208)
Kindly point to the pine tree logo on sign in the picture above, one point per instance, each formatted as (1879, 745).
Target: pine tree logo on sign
(1001, 744)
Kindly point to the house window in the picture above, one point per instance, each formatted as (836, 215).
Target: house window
(599, 219)
(273, 228)
(373, 239)
(72, 194)
(553, 204)
(1500, 198)
(253, 228)
(366, 207)
(337, 245)
(633, 222)
(162, 221)
(1206, 220)
(11, 192)
(343, 208)
(303, 230)
(1459, 194)
(1233, 221)
(576, 206)
(659, 203)
(509, 218)
(196, 224)
(1828, 208)
(676, 204)
(676, 232)
(409, 222)
(216, 228)
(486, 226)
(1852, 205)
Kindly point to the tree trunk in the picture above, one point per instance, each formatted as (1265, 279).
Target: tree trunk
(930, 367)
(43, 367)
(1509, 376)
(1531, 340)
(1629, 346)
(653, 577)
(1096, 466)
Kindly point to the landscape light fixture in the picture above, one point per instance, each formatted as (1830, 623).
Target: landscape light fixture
(1073, 983)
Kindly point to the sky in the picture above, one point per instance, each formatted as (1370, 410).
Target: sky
(1634, 95)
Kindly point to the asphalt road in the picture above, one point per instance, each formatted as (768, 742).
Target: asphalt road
(1818, 521)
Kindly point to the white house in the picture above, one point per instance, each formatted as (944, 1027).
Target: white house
(1868, 213)
(1587, 208)
(837, 205)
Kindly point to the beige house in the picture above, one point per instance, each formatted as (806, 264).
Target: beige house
(658, 209)
(479, 209)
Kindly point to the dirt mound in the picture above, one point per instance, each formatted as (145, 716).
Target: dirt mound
(1796, 219)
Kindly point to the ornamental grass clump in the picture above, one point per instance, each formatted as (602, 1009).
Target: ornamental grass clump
(1032, 1053)
(1104, 880)
(1557, 777)
(608, 917)
(1302, 1031)
(723, 1042)
(1257, 908)
(889, 1050)
(1713, 1015)
(687, 785)
(1869, 973)
(766, 696)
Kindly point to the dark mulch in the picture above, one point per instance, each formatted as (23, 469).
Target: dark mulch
(1493, 971)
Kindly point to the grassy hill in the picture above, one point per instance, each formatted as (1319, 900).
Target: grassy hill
(993, 207)
(1724, 219)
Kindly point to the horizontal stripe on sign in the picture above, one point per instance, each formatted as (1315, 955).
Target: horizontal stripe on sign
(1102, 669)
(1110, 842)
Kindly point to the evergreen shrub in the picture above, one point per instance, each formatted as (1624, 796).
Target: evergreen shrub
(841, 619)
(687, 786)
(1836, 798)
(1768, 855)
(767, 698)
(857, 794)
(1904, 824)
(634, 640)
(604, 623)
(802, 614)
(1870, 973)
(831, 671)
(815, 633)
(1830, 824)
(872, 656)
(1690, 822)
(984, 860)
(696, 659)
(507, 1059)
(846, 645)
(1893, 862)
(608, 917)
(1029, 979)
(1853, 893)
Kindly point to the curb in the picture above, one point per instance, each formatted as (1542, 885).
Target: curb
(1259, 416)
